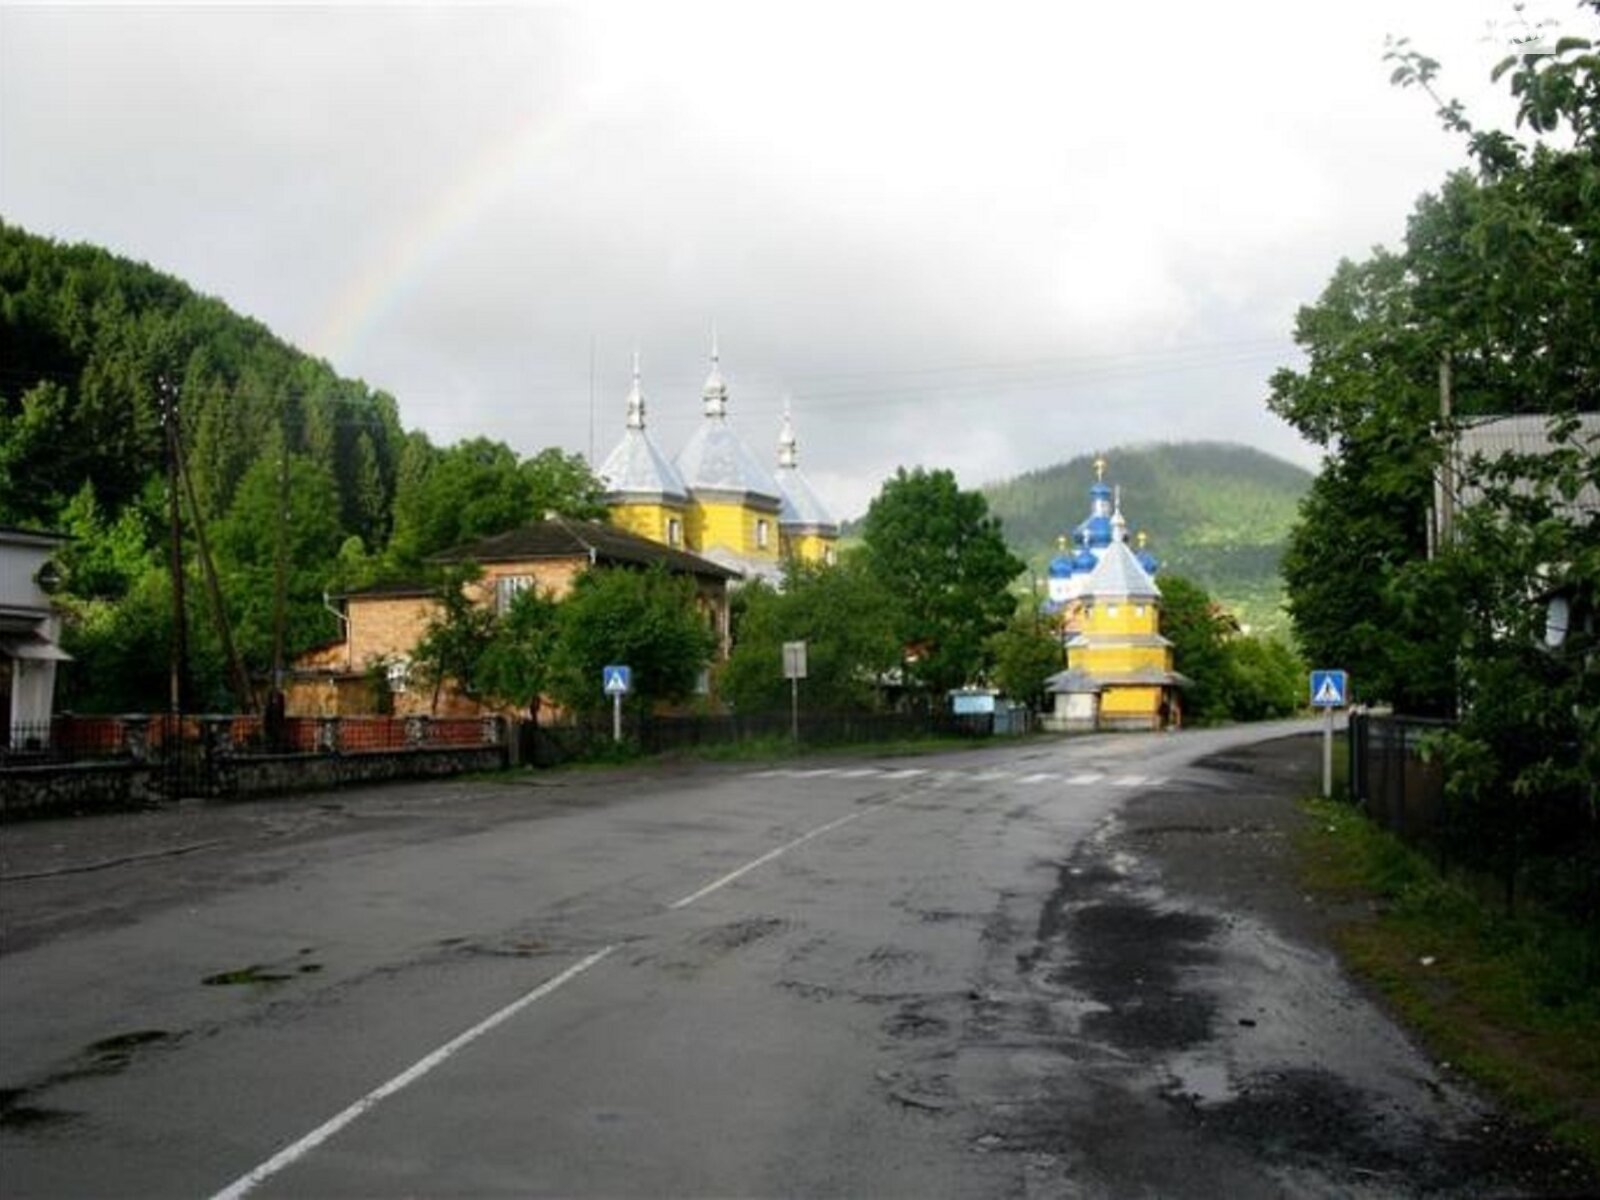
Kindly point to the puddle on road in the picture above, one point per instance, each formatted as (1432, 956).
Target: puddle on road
(19, 1109)
(1204, 1080)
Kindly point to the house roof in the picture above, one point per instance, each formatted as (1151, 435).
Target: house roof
(636, 467)
(563, 538)
(393, 591)
(1498, 437)
(1076, 680)
(16, 535)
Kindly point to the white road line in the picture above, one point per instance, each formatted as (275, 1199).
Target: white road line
(1128, 781)
(716, 884)
(1039, 778)
(907, 773)
(991, 776)
(1088, 777)
(289, 1155)
(858, 773)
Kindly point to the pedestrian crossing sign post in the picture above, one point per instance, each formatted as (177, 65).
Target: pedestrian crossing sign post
(617, 682)
(1329, 690)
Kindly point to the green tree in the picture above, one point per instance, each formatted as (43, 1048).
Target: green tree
(846, 620)
(1498, 283)
(936, 549)
(1024, 657)
(1199, 631)
(456, 638)
(246, 544)
(647, 620)
(518, 664)
(562, 483)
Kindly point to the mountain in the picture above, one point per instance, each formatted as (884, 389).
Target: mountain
(1216, 512)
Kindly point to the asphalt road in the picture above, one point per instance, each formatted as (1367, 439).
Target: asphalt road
(1048, 968)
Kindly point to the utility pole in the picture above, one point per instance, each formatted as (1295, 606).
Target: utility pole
(240, 678)
(1447, 473)
(168, 396)
(280, 565)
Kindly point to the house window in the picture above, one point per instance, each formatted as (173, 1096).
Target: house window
(1111, 610)
(507, 588)
(674, 531)
(761, 534)
(399, 673)
(1138, 610)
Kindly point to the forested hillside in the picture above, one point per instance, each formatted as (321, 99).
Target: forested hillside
(1216, 512)
(87, 343)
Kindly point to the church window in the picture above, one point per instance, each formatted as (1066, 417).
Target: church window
(1111, 610)
(507, 588)
(1138, 610)
(761, 534)
(828, 556)
(674, 531)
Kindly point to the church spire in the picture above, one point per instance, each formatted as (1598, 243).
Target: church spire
(715, 393)
(788, 447)
(636, 397)
(1119, 523)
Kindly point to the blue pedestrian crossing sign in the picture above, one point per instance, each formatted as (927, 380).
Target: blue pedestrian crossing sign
(617, 681)
(1330, 689)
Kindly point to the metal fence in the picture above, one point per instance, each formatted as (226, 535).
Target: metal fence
(1394, 778)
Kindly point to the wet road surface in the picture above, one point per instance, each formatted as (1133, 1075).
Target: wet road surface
(1051, 968)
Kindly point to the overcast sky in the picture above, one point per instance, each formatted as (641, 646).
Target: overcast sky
(982, 236)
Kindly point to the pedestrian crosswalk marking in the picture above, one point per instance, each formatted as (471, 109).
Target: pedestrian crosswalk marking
(936, 777)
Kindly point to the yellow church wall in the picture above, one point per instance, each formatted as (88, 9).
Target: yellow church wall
(653, 521)
(810, 548)
(1114, 660)
(1128, 702)
(1121, 617)
(732, 526)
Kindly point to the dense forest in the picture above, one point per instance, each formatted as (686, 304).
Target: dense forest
(1216, 512)
(285, 462)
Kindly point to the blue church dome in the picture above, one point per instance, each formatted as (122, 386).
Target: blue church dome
(1085, 561)
(1147, 561)
(1061, 566)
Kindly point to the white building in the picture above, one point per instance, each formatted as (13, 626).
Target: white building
(29, 633)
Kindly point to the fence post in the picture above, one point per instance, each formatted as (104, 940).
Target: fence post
(136, 737)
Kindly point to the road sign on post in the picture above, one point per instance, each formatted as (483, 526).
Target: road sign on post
(616, 682)
(1330, 689)
(794, 670)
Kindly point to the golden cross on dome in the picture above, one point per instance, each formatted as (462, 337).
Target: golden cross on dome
(1143, 537)
(1100, 469)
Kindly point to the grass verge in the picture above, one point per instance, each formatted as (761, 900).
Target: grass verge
(1512, 1002)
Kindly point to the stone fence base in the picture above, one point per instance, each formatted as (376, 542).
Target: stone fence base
(73, 789)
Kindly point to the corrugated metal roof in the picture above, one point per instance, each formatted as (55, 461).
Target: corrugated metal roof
(801, 509)
(1497, 437)
(1119, 574)
(717, 460)
(637, 468)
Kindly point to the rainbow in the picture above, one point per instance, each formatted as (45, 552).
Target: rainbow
(436, 227)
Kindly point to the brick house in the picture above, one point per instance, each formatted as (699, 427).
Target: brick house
(369, 669)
